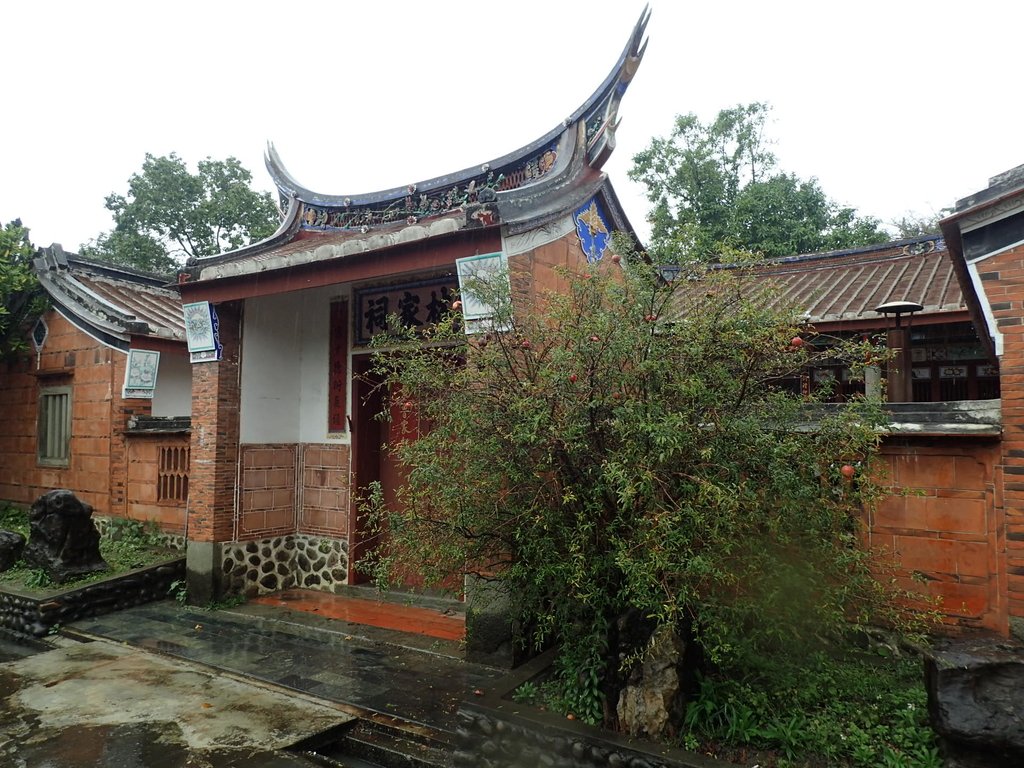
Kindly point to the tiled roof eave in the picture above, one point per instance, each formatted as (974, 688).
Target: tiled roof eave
(881, 320)
(318, 251)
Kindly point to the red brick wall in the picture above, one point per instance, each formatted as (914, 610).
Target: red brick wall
(215, 429)
(273, 504)
(142, 474)
(267, 491)
(1003, 280)
(534, 273)
(98, 372)
(942, 524)
(325, 490)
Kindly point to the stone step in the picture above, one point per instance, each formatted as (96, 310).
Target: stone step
(372, 745)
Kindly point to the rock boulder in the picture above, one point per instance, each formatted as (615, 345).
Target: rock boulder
(652, 701)
(976, 701)
(62, 538)
(11, 546)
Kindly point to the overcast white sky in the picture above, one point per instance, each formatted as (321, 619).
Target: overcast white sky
(894, 106)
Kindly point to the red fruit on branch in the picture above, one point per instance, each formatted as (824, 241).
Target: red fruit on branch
(525, 344)
(796, 342)
(456, 305)
(572, 377)
(848, 471)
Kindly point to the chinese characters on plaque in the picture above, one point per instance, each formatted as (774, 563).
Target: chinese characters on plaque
(414, 305)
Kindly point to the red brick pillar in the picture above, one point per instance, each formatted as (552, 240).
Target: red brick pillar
(214, 466)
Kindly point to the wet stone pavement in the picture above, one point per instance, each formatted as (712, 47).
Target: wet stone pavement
(398, 675)
(102, 704)
(72, 707)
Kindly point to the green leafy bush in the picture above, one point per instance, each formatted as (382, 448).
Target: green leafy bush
(861, 710)
(622, 455)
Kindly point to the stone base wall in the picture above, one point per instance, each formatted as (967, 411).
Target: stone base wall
(24, 615)
(496, 738)
(495, 732)
(283, 562)
(170, 540)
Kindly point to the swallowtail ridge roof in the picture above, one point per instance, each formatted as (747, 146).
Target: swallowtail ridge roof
(538, 182)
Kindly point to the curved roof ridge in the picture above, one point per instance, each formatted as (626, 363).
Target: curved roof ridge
(599, 112)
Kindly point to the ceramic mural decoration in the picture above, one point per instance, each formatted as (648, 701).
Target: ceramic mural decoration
(140, 374)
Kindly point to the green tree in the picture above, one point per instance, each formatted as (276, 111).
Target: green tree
(716, 188)
(171, 214)
(616, 472)
(913, 224)
(20, 295)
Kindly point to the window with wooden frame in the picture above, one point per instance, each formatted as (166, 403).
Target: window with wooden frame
(53, 444)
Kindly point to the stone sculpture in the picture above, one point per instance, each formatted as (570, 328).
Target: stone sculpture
(62, 538)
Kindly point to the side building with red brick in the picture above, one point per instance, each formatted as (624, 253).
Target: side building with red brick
(100, 401)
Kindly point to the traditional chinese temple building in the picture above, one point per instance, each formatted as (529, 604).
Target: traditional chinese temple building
(284, 434)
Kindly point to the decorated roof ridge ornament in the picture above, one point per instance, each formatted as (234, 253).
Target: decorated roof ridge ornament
(527, 165)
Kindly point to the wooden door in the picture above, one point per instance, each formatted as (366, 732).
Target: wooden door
(372, 463)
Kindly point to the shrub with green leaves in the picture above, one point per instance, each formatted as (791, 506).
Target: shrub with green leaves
(625, 450)
(857, 710)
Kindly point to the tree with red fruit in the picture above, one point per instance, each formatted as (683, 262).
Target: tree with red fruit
(671, 482)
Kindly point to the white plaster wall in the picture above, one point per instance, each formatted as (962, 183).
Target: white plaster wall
(173, 395)
(315, 360)
(285, 367)
(271, 358)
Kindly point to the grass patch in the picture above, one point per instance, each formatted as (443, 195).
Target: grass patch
(864, 710)
(861, 710)
(125, 545)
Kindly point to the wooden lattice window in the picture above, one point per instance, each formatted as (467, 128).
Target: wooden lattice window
(54, 426)
(172, 473)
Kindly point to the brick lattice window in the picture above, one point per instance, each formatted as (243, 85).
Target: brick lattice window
(172, 473)
(54, 426)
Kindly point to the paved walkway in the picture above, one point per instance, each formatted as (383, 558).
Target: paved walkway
(404, 679)
(446, 624)
(106, 705)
